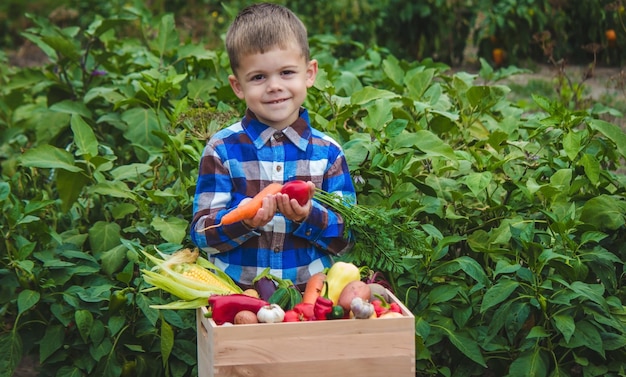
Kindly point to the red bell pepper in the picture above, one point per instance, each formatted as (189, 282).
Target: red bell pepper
(225, 307)
(323, 308)
(306, 311)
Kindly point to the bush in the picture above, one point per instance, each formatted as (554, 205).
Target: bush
(524, 212)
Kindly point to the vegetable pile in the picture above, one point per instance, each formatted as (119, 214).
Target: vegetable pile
(339, 292)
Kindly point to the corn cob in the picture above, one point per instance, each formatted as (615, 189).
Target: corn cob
(201, 275)
(181, 275)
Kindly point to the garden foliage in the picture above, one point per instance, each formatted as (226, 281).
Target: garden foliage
(523, 213)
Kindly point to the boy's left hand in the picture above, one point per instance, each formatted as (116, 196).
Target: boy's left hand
(291, 209)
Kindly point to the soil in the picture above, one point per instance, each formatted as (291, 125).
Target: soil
(601, 83)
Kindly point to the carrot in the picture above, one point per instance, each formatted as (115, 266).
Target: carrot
(313, 288)
(249, 209)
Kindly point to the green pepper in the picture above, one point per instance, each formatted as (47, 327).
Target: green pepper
(117, 300)
(337, 312)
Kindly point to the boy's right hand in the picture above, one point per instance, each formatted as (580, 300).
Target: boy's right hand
(263, 215)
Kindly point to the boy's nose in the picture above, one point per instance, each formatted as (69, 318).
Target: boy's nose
(273, 84)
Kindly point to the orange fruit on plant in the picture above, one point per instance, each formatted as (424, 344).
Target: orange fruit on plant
(498, 56)
(611, 36)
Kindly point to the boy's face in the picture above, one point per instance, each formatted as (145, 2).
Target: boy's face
(274, 84)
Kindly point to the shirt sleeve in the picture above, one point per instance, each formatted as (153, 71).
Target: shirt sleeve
(213, 199)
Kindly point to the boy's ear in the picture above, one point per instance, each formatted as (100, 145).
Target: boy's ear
(311, 73)
(236, 86)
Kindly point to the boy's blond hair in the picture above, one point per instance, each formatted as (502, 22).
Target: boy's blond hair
(261, 27)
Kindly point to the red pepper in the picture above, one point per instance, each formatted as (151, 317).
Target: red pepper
(323, 308)
(381, 306)
(378, 307)
(394, 307)
(306, 311)
(225, 307)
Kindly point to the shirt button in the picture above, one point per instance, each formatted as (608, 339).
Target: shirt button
(308, 232)
(279, 168)
(277, 249)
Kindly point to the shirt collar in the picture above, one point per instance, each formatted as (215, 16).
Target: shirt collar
(298, 132)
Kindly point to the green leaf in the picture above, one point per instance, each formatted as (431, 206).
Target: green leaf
(565, 324)
(612, 132)
(26, 300)
(442, 293)
(588, 336)
(151, 314)
(116, 189)
(112, 366)
(378, 114)
(417, 82)
(104, 236)
(432, 145)
(84, 137)
(571, 144)
(70, 185)
(113, 259)
(604, 212)
(537, 332)
(498, 293)
(49, 157)
(11, 350)
(393, 70)
(167, 341)
(468, 346)
(52, 340)
(533, 362)
(142, 122)
(477, 182)
(72, 108)
(63, 45)
(369, 94)
(101, 350)
(69, 371)
(592, 168)
(84, 321)
(167, 39)
(173, 229)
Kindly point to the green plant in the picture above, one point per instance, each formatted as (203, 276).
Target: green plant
(524, 212)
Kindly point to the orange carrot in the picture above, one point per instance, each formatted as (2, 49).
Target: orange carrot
(249, 209)
(313, 288)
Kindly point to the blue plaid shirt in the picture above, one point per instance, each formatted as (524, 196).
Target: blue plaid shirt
(241, 160)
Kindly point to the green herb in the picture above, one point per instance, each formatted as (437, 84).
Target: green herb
(382, 237)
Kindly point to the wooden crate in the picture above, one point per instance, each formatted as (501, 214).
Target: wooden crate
(339, 348)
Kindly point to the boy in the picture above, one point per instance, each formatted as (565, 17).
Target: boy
(274, 142)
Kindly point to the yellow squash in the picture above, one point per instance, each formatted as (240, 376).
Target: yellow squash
(338, 276)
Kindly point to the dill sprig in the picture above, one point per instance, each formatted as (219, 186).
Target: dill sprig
(382, 237)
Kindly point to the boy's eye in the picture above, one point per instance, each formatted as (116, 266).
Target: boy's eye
(287, 72)
(257, 77)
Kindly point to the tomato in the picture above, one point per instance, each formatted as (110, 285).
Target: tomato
(298, 190)
(291, 316)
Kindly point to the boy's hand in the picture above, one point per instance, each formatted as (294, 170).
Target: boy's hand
(291, 209)
(264, 214)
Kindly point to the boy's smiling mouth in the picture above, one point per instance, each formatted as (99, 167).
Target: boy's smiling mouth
(277, 101)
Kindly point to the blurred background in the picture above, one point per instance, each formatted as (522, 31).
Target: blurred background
(456, 32)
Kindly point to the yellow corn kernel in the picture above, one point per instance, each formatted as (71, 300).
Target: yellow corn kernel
(202, 275)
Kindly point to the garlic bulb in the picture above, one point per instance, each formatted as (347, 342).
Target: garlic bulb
(272, 313)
